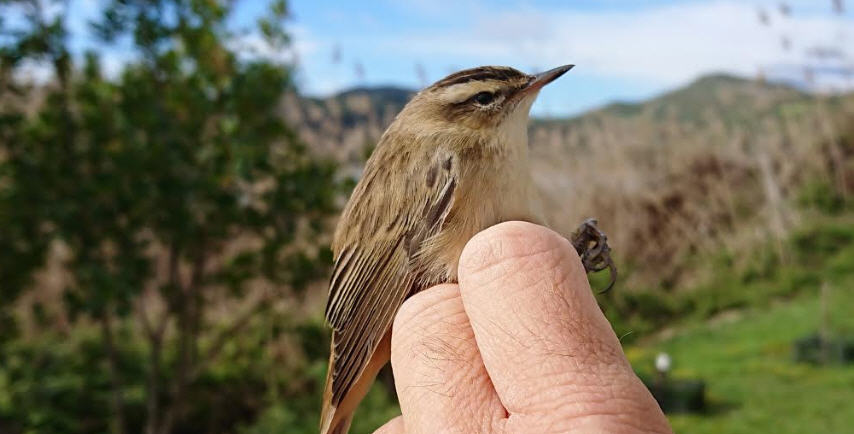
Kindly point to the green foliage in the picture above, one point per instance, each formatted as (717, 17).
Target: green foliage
(300, 414)
(817, 241)
(177, 190)
(821, 195)
(59, 384)
(820, 252)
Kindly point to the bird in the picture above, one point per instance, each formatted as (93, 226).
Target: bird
(453, 162)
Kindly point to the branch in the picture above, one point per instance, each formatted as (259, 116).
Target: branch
(186, 377)
(225, 334)
(117, 420)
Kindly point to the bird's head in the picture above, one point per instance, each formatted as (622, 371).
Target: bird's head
(480, 101)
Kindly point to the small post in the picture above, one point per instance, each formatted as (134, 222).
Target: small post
(663, 363)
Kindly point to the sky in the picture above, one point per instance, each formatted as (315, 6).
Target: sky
(624, 50)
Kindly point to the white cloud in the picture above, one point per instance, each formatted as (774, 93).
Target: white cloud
(670, 44)
(303, 42)
(253, 45)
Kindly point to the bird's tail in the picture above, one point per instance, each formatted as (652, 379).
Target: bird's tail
(341, 427)
(336, 418)
(328, 424)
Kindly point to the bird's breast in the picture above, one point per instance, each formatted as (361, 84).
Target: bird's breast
(491, 191)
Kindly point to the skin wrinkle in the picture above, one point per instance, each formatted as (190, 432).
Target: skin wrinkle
(489, 254)
(434, 347)
(615, 422)
(553, 311)
(585, 408)
(592, 349)
(550, 259)
(593, 397)
(502, 263)
(410, 311)
(556, 278)
(603, 396)
(434, 351)
(560, 387)
(486, 247)
(558, 382)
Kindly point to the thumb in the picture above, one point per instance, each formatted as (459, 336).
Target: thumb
(553, 358)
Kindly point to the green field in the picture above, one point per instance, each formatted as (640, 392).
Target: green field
(753, 384)
(746, 354)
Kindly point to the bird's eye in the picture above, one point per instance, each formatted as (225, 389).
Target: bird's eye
(484, 98)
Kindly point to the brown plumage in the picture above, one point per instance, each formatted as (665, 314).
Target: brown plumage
(453, 162)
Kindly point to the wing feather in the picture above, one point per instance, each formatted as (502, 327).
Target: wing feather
(374, 270)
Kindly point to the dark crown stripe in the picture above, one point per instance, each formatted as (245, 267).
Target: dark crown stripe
(479, 74)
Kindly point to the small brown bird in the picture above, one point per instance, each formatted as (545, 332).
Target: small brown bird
(453, 162)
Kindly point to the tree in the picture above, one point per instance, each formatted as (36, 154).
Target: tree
(175, 186)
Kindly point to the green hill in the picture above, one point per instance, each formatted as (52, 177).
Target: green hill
(715, 96)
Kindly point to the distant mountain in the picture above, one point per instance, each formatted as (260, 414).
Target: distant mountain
(712, 96)
(713, 101)
(347, 125)
(668, 177)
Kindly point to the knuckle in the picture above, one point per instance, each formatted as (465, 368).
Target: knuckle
(427, 327)
(601, 352)
(426, 303)
(439, 349)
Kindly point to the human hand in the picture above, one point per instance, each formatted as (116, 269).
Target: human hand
(518, 346)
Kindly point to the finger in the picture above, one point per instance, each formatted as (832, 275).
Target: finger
(440, 379)
(394, 426)
(543, 339)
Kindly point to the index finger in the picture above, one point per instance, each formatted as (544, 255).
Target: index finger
(440, 380)
(543, 339)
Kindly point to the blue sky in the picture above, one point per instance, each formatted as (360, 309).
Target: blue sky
(623, 49)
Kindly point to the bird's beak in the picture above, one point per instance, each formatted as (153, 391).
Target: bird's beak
(544, 78)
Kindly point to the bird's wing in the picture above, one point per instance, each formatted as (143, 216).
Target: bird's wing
(374, 271)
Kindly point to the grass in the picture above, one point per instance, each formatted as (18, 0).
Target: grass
(753, 384)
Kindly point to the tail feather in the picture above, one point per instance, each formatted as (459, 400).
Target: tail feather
(327, 413)
(336, 418)
(341, 427)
